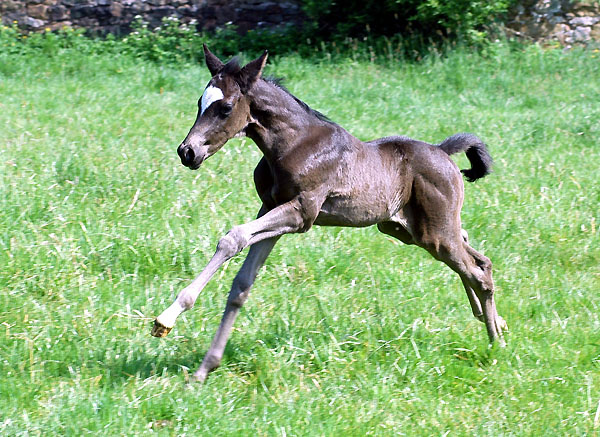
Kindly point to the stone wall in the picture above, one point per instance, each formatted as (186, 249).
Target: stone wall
(561, 21)
(115, 16)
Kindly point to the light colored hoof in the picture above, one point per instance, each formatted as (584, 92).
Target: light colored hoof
(497, 342)
(160, 330)
(502, 325)
(199, 376)
(501, 342)
(501, 328)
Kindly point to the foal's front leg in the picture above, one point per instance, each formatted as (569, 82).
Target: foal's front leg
(237, 297)
(284, 219)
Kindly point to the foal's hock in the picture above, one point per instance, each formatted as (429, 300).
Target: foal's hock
(313, 172)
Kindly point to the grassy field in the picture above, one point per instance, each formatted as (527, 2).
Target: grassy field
(347, 332)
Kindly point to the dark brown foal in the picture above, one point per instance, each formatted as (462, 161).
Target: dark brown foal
(314, 172)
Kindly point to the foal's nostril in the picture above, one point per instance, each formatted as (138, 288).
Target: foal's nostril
(188, 155)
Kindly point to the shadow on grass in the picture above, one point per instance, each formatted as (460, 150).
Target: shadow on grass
(178, 357)
(253, 354)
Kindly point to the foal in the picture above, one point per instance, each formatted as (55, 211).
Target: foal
(314, 172)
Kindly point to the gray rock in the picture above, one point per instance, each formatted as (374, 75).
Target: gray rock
(582, 33)
(584, 21)
(34, 23)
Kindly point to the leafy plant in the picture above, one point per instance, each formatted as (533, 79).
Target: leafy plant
(431, 19)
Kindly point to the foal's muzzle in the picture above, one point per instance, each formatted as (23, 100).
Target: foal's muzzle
(191, 156)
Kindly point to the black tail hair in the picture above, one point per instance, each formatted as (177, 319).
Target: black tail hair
(476, 151)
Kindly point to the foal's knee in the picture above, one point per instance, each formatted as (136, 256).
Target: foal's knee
(185, 299)
(232, 243)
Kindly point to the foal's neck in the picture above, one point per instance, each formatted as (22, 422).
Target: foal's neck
(280, 121)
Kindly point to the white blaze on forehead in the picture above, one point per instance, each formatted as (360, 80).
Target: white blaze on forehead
(211, 95)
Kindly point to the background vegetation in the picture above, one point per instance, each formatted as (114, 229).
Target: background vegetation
(429, 20)
(406, 26)
(347, 332)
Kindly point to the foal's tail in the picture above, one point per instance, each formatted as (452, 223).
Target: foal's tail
(477, 153)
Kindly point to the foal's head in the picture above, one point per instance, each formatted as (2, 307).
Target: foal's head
(223, 109)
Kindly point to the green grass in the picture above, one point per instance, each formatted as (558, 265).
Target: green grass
(347, 332)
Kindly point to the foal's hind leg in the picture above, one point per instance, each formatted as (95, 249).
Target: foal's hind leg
(237, 297)
(485, 265)
(475, 271)
(473, 300)
(398, 230)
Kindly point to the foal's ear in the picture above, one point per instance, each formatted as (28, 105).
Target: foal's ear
(213, 63)
(251, 72)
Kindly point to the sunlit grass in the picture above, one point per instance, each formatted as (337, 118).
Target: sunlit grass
(346, 331)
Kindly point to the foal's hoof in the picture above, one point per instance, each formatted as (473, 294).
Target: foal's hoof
(501, 328)
(502, 325)
(199, 376)
(160, 330)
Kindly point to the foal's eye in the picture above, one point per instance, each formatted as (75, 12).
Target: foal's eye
(226, 109)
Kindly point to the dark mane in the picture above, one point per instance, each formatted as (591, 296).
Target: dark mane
(278, 82)
(233, 67)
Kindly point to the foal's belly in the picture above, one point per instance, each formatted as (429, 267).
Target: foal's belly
(369, 189)
(345, 211)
